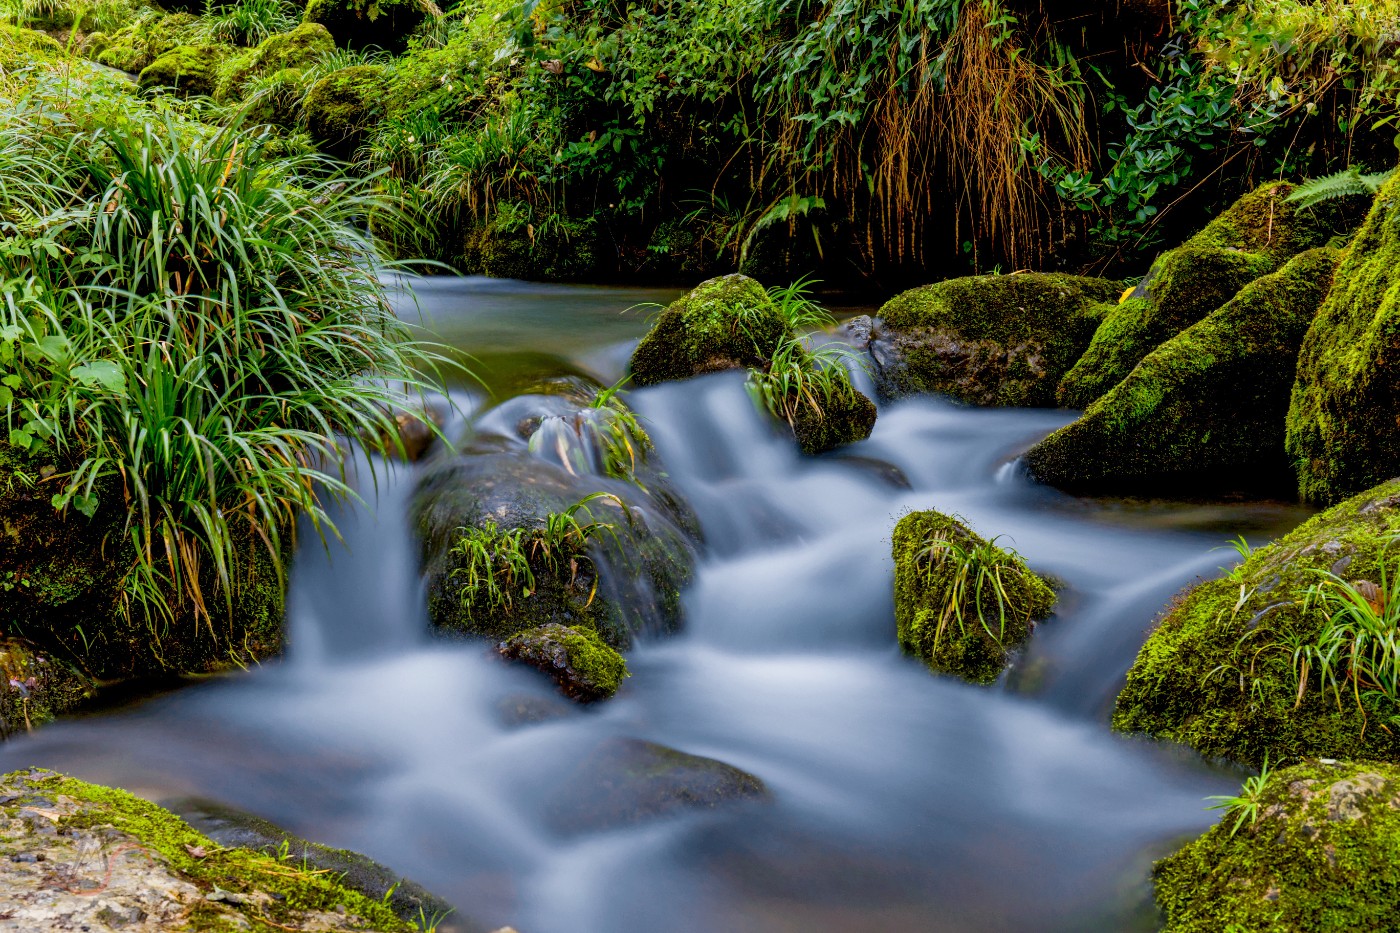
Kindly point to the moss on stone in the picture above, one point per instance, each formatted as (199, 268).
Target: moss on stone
(187, 70)
(261, 893)
(1323, 855)
(961, 603)
(844, 418)
(18, 43)
(723, 323)
(1208, 403)
(36, 687)
(585, 667)
(360, 24)
(138, 44)
(298, 49)
(1343, 430)
(1216, 674)
(1256, 235)
(988, 339)
(510, 247)
(343, 105)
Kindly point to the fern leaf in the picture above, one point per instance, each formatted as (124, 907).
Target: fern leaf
(1350, 181)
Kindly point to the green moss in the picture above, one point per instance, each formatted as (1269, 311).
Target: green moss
(1216, 674)
(343, 105)
(844, 418)
(188, 70)
(723, 323)
(962, 617)
(1255, 236)
(991, 339)
(509, 246)
(136, 45)
(1208, 402)
(192, 856)
(585, 667)
(1322, 856)
(19, 43)
(36, 687)
(358, 24)
(1343, 432)
(303, 46)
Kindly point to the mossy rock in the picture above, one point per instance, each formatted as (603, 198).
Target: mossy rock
(510, 247)
(137, 45)
(343, 105)
(1253, 237)
(362, 24)
(1343, 430)
(723, 323)
(845, 418)
(61, 580)
(584, 666)
(188, 70)
(1208, 404)
(1217, 672)
(36, 687)
(19, 44)
(946, 612)
(1322, 855)
(303, 46)
(156, 867)
(988, 339)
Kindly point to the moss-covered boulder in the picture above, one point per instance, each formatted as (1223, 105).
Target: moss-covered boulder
(723, 323)
(36, 687)
(77, 856)
(1256, 235)
(61, 587)
(1319, 853)
(845, 417)
(139, 43)
(303, 46)
(584, 666)
(1208, 404)
(510, 246)
(624, 782)
(962, 604)
(187, 70)
(1219, 674)
(343, 105)
(1343, 430)
(987, 339)
(362, 24)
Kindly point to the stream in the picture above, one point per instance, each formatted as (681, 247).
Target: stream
(901, 801)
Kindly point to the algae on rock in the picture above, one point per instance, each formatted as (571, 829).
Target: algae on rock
(987, 339)
(1253, 237)
(1343, 430)
(1321, 853)
(304, 46)
(962, 604)
(584, 666)
(1218, 672)
(1208, 403)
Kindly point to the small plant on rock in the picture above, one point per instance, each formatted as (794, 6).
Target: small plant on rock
(1244, 805)
(981, 583)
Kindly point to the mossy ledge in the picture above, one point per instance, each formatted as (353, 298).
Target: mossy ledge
(1216, 674)
(1208, 405)
(1342, 428)
(1321, 855)
(962, 604)
(156, 867)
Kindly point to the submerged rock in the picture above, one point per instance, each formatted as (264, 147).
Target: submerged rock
(723, 323)
(626, 781)
(35, 687)
(1209, 402)
(579, 661)
(987, 339)
(76, 856)
(961, 603)
(1320, 852)
(1219, 673)
(1255, 236)
(1342, 425)
(524, 709)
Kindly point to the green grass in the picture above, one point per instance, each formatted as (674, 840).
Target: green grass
(248, 22)
(1357, 650)
(1244, 805)
(983, 576)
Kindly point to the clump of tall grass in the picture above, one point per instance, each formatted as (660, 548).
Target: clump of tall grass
(247, 22)
(195, 324)
(982, 584)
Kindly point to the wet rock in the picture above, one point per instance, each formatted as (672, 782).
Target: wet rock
(36, 687)
(987, 339)
(628, 781)
(518, 711)
(723, 323)
(882, 470)
(962, 604)
(578, 660)
(235, 829)
(1321, 862)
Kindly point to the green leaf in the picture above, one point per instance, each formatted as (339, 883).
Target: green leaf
(102, 373)
(21, 439)
(14, 382)
(86, 505)
(6, 396)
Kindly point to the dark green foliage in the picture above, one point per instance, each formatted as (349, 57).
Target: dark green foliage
(991, 339)
(962, 604)
(343, 105)
(149, 36)
(1218, 673)
(1255, 236)
(585, 667)
(187, 70)
(359, 24)
(510, 246)
(723, 323)
(1343, 433)
(1208, 403)
(1321, 855)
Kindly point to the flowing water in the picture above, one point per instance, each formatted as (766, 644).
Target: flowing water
(900, 800)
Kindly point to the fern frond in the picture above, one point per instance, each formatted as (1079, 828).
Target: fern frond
(1349, 181)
